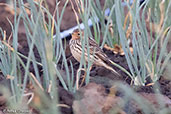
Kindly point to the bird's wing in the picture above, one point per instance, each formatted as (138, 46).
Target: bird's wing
(96, 50)
(94, 47)
(98, 53)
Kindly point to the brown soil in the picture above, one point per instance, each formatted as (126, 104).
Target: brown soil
(99, 75)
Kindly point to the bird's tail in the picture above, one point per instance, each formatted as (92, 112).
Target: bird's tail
(110, 68)
(120, 67)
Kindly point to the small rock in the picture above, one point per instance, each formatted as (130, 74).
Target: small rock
(96, 101)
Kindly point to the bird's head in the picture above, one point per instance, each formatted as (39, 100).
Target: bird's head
(77, 34)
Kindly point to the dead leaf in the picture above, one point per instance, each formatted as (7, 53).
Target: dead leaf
(117, 49)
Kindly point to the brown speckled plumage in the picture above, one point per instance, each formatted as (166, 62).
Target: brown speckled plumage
(97, 56)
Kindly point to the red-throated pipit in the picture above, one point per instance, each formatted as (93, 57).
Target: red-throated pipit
(96, 54)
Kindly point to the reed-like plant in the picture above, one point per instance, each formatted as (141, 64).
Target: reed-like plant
(39, 35)
(92, 10)
(146, 59)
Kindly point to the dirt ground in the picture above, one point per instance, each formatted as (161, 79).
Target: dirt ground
(97, 73)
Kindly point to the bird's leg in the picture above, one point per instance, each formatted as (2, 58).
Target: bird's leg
(84, 76)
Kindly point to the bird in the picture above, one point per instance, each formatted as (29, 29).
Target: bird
(96, 54)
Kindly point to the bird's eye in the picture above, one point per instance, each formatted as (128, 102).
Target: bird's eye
(78, 33)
